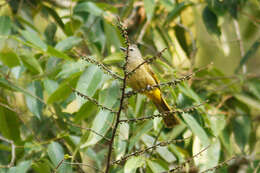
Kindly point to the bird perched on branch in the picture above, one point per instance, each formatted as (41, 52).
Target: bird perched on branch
(142, 79)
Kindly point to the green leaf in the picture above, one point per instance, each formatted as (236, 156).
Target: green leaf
(162, 151)
(253, 103)
(56, 154)
(34, 39)
(112, 36)
(50, 86)
(34, 105)
(55, 16)
(65, 89)
(58, 54)
(22, 167)
(217, 123)
(9, 58)
(5, 25)
(9, 124)
(89, 7)
(49, 33)
(133, 163)
(149, 6)
(249, 54)
(42, 166)
(155, 166)
(242, 128)
(89, 82)
(71, 67)
(68, 43)
(196, 129)
(138, 132)
(177, 8)
(161, 44)
(104, 118)
(208, 158)
(211, 21)
(31, 63)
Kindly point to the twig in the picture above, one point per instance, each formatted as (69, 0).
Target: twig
(163, 114)
(100, 65)
(93, 100)
(89, 129)
(11, 163)
(156, 139)
(137, 153)
(124, 34)
(149, 60)
(57, 167)
(222, 164)
(179, 167)
(171, 83)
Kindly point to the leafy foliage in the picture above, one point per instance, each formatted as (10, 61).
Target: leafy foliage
(59, 109)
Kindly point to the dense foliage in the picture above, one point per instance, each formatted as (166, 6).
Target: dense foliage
(58, 103)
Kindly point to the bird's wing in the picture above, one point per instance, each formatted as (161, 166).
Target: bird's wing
(149, 69)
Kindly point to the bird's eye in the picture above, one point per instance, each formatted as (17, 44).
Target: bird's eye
(131, 49)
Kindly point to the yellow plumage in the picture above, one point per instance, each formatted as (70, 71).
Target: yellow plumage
(144, 77)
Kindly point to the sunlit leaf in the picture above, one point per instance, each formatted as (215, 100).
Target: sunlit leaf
(9, 58)
(89, 7)
(89, 82)
(68, 43)
(34, 39)
(133, 163)
(22, 167)
(58, 54)
(149, 6)
(196, 129)
(5, 25)
(56, 154)
(104, 118)
(35, 104)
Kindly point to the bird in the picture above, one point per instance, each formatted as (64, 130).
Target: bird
(141, 78)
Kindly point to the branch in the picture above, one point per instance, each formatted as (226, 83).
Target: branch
(163, 114)
(160, 144)
(179, 167)
(100, 65)
(89, 129)
(125, 36)
(149, 60)
(11, 163)
(93, 100)
(171, 83)
(222, 164)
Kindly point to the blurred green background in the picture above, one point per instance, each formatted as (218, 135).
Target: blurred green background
(42, 43)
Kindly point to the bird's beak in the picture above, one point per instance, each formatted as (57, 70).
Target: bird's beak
(123, 49)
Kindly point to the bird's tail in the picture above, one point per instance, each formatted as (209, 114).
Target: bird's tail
(171, 119)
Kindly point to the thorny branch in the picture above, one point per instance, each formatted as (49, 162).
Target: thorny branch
(163, 114)
(160, 144)
(100, 65)
(220, 165)
(179, 167)
(125, 36)
(93, 100)
(149, 60)
(171, 83)
(12, 151)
